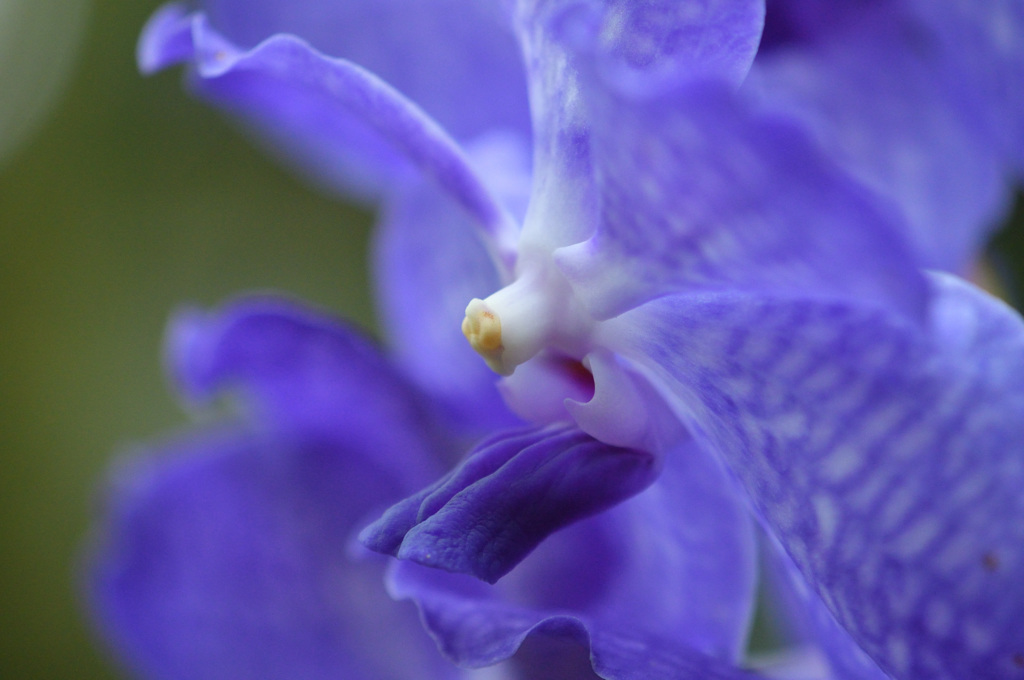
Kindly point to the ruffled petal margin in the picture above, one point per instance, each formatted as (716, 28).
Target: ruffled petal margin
(457, 59)
(298, 370)
(330, 114)
(224, 555)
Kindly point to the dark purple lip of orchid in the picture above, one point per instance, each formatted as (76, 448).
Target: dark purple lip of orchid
(801, 25)
(508, 495)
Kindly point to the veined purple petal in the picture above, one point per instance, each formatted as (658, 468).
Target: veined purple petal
(457, 59)
(300, 371)
(884, 456)
(809, 628)
(699, 193)
(645, 40)
(660, 586)
(886, 108)
(636, 45)
(510, 493)
(332, 114)
(224, 556)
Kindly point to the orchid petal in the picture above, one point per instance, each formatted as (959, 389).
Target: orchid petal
(637, 45)
(883, 456)
(660, 586)
(640, 44)
(699, 193)
(300, 371)
(886, 112)
(332, 114)
(980, 47)
(509, 494)
(807, 623)
(225, 557)
(458, 59)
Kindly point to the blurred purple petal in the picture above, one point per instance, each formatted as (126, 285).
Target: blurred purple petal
(510, 493)
(980, 49)
(883, 106)
(225, 556)
(457, 59)
(331, 113)
(302, 372)
(166, 39)
(883, 456)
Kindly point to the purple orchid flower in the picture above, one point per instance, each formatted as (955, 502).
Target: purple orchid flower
(714, 304)
(229, 551)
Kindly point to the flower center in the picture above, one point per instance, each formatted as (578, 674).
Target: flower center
(537, 329)
(482, 328)
(535, 312)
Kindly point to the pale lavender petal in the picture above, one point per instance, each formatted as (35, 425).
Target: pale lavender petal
(330, 113)
(980, 44)
(658, 587)
(508, 495)
(166, 39)
(637, 45)
(700, 193)
(884, 456)
(640, 43)
(224, 556)
(457, 59)
(887, 111)
(301, 371)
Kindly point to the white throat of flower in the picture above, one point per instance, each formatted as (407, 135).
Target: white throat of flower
(538, 325)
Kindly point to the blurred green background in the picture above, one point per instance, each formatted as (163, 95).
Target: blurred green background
(129, 200)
